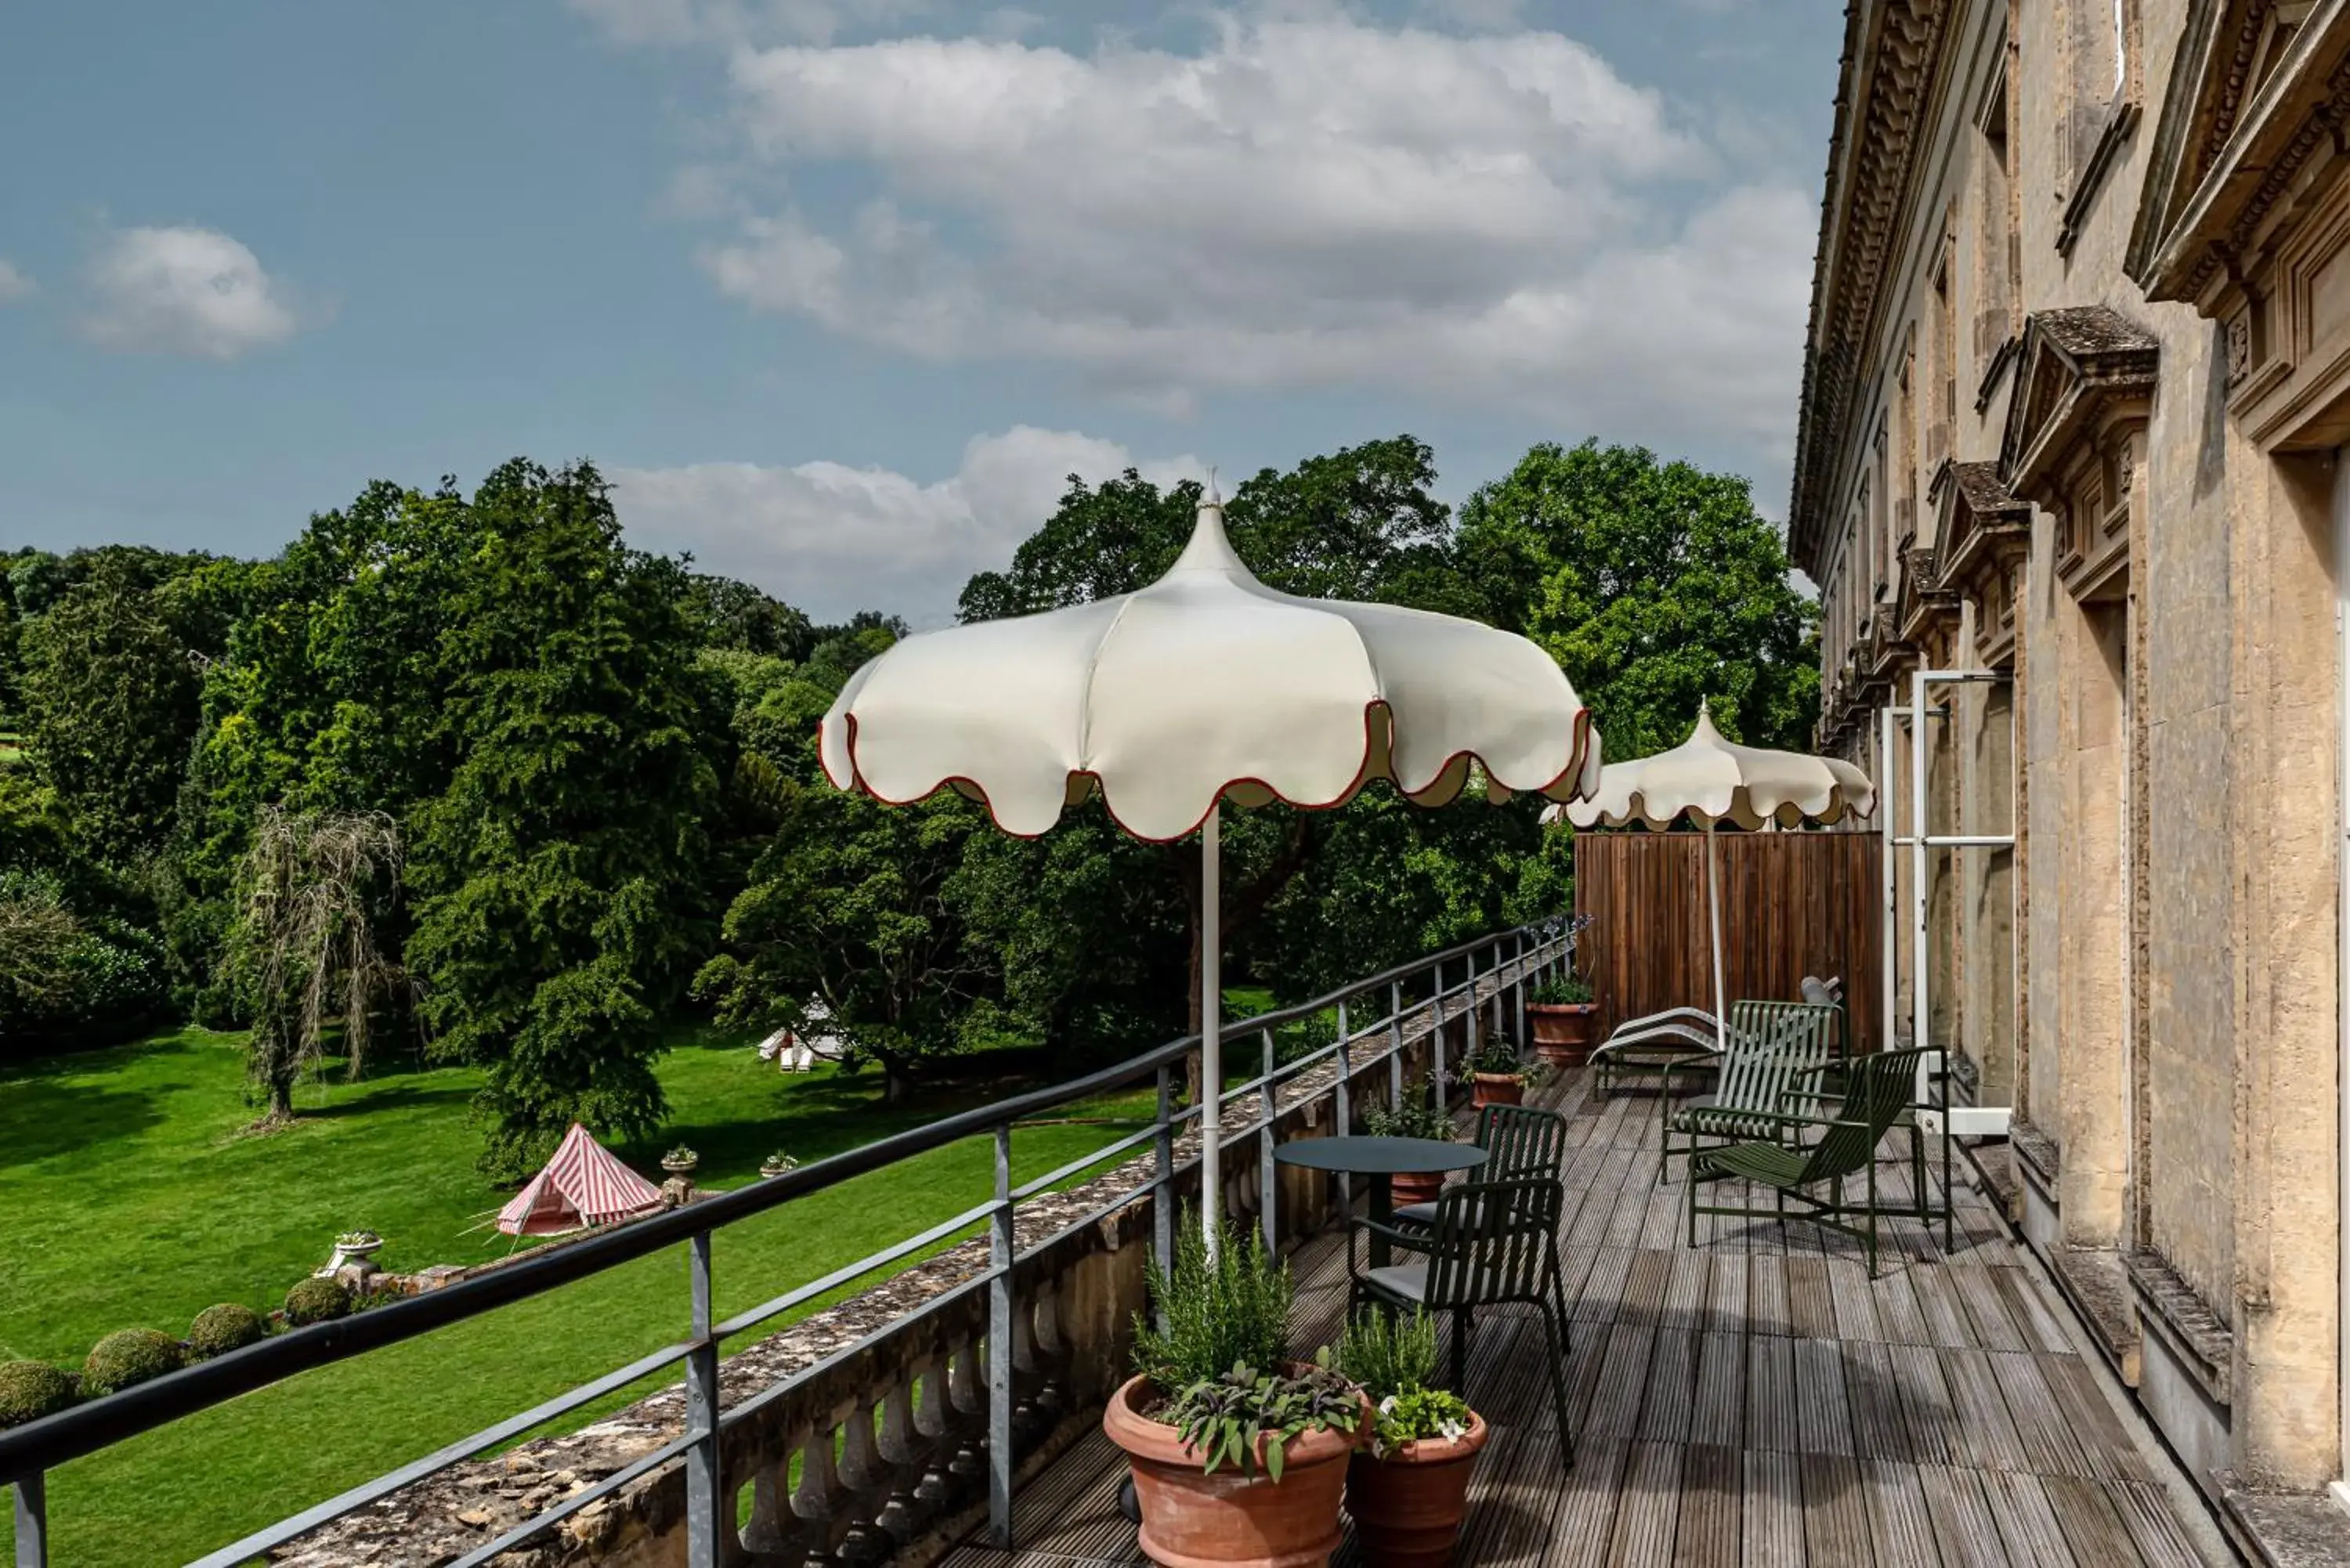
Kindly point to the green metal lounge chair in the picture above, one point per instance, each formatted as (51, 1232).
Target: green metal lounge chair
(1682, 1040)
(1491, 1243)
(1775, 1064)
(1882, 1088)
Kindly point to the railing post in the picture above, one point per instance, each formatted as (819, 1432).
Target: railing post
(1268, 1181)
(1394, 1045)
(704, 1515)
(1475, 1015)
(1518, 979)
(33, 1522)
(1344, 1112)
(1436, 1083)
(998, 1350)
(1162, 1196)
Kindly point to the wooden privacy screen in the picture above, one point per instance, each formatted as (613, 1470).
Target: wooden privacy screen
(1792, 904)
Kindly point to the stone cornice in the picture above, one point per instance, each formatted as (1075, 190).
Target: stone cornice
(2240, 119)
(1892, 63)
(1985, 526)
(2079, 366)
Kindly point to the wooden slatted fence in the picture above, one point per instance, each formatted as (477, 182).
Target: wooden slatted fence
(1792, 904)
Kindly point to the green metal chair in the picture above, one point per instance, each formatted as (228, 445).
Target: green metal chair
(1518, 1140)
(1684, 1040)
(1491, 1243)
(1776, 1065)
(1882, 1089)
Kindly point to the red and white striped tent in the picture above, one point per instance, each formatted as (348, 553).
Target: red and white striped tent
(585, 1184)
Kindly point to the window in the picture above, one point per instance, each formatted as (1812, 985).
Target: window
(1998, 249)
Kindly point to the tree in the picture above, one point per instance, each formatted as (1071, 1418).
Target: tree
(734, 614)
(307, 895)
(109, 695)
(558, 875)
(1654, 585)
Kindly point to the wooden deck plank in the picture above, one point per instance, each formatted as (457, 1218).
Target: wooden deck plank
(1823, 1413)
(1706, 1533)
(1623, 1384)
(1725, 1295)
(1927, 1412)
(1938, 1304)
(1986, 1308)
(1878, 1431)
(1650, 1508)
(1766, 1296)
(2051, 1447)
(1855, 1302)
(1770, 1420)
(2144, 1511)
(2029, 1306)
(1643, 1288)
(1810, 1308)
(1835, 1513)
(1717, 1410)
(2027, 1521)
(1771, 1511)
(2092, 1529)
(2106, 1448)
(1898, 1313)
(1585, 1519)
(1963, 1526)
(1602, 1292)
(1898, 1526)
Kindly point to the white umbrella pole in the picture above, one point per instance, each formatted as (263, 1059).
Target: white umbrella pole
(1211, 1044)
(1713, 907)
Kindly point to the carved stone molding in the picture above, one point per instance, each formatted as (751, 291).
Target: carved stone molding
(2075, 436)
(1986, 533)
(1893, 61)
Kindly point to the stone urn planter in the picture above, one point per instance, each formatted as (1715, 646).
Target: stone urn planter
(352, 1248)
(1407, 1504)
(1563, 1032)
(1496, 1089)
(1231, 1519)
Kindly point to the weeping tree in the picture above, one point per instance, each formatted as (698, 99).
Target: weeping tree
(309, 890)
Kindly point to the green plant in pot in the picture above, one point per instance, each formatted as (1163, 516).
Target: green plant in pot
(1563, 1019)
(1408, 1490)
(1496, 1074)
(1414, 1115)
(1239, 1451)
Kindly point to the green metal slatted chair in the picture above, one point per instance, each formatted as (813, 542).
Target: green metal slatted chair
(1882, 1089)
(1518, 1140)
(1491, 1243)
(1776, 1065)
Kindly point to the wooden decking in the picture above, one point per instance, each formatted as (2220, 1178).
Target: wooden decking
(1755, 1400)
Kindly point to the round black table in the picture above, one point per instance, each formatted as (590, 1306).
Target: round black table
(1380, 1158)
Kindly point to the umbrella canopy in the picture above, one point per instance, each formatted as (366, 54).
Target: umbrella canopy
(1711, 780)
(1204, 685)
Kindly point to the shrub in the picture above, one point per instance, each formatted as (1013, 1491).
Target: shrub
(316, 1300)
(1221, 1417)
(1232, 1313)
(221, 1329)
(129, 1357)
(1388, 1355)
(1563, 991)
(30, 1390)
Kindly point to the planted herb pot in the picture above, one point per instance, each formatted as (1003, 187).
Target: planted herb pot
(1496, 1089)
(1563, 1032)
(1407, 1504)
(1410, 1187)
(1230, 1519)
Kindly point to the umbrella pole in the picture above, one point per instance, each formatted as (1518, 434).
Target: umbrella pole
(1211, 1042)
(1713, 909)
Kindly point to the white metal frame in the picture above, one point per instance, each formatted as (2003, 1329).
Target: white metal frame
(2340, 1490)
(1965, 1121)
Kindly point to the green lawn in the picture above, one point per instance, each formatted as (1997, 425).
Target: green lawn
(131, 1198)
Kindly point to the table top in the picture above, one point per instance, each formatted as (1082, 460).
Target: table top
(1380, 1156)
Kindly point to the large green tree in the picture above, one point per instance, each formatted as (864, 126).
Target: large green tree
(1654, 585)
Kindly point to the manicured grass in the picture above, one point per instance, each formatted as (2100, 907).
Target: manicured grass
(133, 1198)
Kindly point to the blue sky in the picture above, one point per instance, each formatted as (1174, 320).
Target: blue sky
(837, 290)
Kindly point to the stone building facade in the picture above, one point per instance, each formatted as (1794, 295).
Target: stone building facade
(2076, 389)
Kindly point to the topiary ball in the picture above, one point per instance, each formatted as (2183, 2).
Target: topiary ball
(129, 1356)
(221, 1329)
(316, 1300)
(30, 1390)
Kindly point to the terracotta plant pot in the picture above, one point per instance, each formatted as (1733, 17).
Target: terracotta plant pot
(1495, 1089)
(1191, 1519)
(1407, 1506)
(1565, 1032)
(1410, 1187)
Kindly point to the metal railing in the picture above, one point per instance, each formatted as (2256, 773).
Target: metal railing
(1490, 972)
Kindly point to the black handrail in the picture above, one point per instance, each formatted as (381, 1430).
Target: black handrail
(53, 1440)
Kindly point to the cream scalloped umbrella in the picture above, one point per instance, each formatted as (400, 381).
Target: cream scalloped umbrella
(1710, 779)
(1202, 686)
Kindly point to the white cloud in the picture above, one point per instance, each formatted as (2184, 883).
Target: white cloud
(1310, 202)
(13, 285)
(187, 291)
(833, 539)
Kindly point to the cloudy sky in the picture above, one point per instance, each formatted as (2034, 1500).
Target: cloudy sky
(837, 290)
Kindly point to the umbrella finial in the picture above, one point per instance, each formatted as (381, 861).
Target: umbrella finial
(1210, 550)
(1215, 497)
